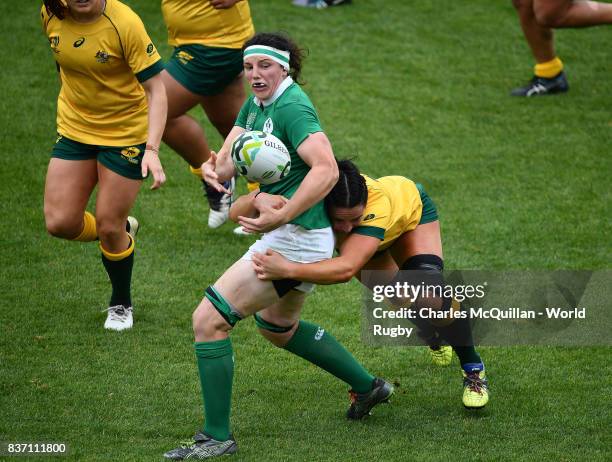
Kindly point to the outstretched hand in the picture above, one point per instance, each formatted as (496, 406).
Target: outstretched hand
(151, 163)
(210, 174)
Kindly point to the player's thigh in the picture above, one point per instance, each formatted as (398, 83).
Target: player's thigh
(180, 99)
(241, 288)
(222, 109)
(424, 239)
(549, 11)
(68, 185)
(523, 6)
(380, 269)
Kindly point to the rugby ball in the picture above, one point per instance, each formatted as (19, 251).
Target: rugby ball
(260, 157)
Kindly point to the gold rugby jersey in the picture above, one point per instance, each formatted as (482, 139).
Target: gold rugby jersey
(101, 101)
(197, 22)
(394, 207)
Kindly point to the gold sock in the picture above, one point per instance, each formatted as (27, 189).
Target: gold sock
(549, 69)
(196, 171)
(121, 255)
(89, 233)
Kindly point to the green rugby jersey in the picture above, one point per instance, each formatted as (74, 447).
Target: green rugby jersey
(290, 116)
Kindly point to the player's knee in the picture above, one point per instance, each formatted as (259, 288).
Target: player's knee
(425, 271)
(278, 332)
(223, 124)
(523, 5)
(549, 14)
(276, 339)
(109, 230)
(60, 225)
(214, 316)
(207, 323)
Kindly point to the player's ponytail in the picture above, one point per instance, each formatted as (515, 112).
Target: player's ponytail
(350, 190)
(55, 8)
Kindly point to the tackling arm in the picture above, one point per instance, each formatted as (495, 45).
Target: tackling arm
(356, 251)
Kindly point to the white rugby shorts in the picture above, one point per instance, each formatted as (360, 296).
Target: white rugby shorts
(297, 244)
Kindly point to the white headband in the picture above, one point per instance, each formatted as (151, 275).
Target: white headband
(280, 56)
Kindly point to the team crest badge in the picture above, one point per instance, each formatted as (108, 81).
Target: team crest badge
(369, 216)
(102, 56)
(131, 154)
(319, 335)
(150, 49)
(268, 126)
(54, 42)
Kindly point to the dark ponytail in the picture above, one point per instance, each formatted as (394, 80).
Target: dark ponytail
(282, 42)
(350, 190)
(55, 8)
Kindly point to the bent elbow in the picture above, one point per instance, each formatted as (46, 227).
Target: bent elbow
(346, 275)
(343, 280)
(334, 177)
(233, 216)
(334, 172)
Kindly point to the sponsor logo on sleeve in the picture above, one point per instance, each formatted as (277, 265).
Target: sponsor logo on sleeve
(250, 120)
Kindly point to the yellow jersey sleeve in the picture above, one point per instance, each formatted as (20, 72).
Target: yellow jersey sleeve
(140, 53)
(377, 213)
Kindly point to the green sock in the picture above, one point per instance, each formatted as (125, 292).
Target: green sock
(459, 336)
(318, 347)
(120, 275)
(216, 367)
(467, 354)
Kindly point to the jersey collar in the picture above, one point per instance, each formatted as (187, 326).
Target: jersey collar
(279, 91)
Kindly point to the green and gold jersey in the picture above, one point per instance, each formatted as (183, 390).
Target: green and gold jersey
(394, 207)
(198, 22)
(101, 101)
(291, 117)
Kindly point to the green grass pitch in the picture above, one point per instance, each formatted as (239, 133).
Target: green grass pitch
(412, 88)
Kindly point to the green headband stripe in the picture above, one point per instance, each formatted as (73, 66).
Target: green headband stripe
(264, 51)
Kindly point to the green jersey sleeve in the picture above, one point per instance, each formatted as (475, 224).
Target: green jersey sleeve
(300, 120)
